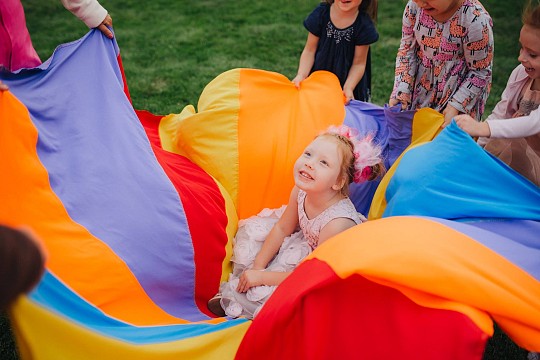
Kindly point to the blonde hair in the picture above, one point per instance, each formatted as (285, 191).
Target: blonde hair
(347, 169)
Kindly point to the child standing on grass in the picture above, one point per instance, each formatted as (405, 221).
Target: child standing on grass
(445, 57)
(340, 33)
(270, 245)
(516, 141)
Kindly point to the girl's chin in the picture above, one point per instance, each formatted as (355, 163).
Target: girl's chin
(301, 185)
(532, 73)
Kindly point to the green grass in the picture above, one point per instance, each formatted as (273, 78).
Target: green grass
(172, 48)
(8, 349)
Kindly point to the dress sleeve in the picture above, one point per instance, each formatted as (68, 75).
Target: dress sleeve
(314, 22)
(516, 127)
(507, 106)
(478, 53)
(88, 11)
(406, 60)
(367, 33)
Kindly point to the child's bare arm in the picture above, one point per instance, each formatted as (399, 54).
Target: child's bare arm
(283, 228)
(449, 113)
(334, 227)
(356, 72)
(306, 59)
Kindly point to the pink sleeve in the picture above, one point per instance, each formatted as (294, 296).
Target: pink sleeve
(16, 50)
(88, 11)
(507, 106)
(517, 127)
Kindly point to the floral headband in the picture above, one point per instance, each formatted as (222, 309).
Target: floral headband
(366, 154)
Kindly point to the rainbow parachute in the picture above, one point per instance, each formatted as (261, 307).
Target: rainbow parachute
(138, 212)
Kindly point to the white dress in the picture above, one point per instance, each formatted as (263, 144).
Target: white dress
(249, 239)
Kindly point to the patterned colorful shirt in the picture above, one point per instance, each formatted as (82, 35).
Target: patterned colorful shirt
(441, 63)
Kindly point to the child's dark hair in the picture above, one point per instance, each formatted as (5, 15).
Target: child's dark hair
(368, 6)
(531, 14)
(21, 264)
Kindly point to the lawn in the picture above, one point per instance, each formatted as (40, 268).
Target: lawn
(172, 48)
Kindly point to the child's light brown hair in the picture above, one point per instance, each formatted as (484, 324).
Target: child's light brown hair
(531, 15)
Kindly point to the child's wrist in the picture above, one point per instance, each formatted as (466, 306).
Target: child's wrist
(486, 130)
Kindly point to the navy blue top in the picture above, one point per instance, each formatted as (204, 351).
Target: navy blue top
(335, 51)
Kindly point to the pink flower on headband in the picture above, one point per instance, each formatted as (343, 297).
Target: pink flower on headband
(366, 154)
(365, 174)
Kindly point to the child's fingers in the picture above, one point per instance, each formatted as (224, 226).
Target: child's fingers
(242, 284)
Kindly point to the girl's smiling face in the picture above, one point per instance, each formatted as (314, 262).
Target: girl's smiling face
(529, 54)
(319, 167)
(348, 5)
(440, 10)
